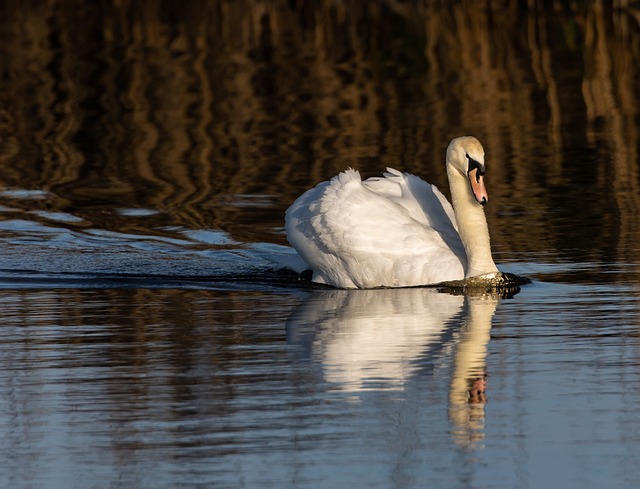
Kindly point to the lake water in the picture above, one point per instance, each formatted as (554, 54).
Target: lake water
(148, 152)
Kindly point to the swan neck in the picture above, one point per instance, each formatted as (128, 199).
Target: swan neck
(472, 225)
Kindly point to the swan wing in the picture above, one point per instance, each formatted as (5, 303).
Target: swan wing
(374, 233)
(424, 202)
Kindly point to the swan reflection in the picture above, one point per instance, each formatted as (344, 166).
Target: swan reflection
(467, 392)
(383, 339)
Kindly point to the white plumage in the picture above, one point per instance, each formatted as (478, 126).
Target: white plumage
(396, 230)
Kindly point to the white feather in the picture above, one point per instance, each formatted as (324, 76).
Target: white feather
(392, 231)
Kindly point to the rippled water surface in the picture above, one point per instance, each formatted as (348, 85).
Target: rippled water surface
(148, 337)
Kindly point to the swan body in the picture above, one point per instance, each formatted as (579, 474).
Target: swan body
(396, 230)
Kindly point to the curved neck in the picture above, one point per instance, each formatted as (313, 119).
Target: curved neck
(472, 226)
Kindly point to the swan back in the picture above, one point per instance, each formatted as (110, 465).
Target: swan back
(392, 231)
(423, 202)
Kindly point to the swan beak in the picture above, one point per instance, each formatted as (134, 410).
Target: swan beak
(477, 186)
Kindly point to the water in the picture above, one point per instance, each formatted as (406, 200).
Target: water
(166, 388)
(147, 156)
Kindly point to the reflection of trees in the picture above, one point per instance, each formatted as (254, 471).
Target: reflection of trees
(187, 109)
(120, 369)
(610, 91)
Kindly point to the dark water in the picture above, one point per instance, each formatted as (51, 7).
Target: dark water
(148, 152)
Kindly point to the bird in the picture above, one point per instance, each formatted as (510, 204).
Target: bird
(396, 230)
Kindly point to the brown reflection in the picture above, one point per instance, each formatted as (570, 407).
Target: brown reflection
(123, 368)
(610, 90)
(189, 108)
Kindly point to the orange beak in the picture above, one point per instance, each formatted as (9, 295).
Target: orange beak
(477, 186)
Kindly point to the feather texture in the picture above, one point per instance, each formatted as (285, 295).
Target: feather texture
(391, 231)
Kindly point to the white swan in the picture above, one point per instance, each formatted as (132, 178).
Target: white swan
(396, 230)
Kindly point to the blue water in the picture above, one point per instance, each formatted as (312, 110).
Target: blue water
(200, 381)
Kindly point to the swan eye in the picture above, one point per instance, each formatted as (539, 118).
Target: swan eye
(473, 164)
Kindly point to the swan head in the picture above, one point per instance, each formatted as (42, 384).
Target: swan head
(466, 155)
